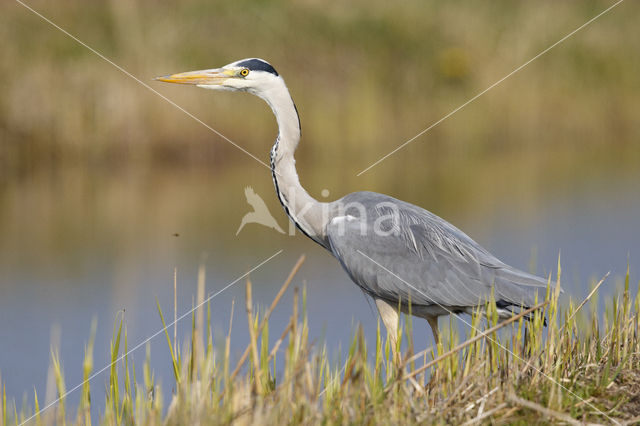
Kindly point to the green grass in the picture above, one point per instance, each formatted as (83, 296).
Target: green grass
(584, 366)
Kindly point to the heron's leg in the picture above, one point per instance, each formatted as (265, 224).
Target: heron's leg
(433, 322)
(389, 316)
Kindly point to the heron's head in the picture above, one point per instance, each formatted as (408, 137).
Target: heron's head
(250, 75)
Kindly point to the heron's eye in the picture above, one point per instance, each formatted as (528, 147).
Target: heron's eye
(244, 72)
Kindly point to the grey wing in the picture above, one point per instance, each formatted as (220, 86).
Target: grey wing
(427, 261)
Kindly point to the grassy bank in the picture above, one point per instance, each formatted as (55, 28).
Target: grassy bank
(583, 367)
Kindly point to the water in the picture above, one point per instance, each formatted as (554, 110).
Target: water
(78, 246)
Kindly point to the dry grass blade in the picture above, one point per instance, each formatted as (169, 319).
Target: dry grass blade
(544, 410)
(595, 289)
(254, 340)
(175, 310)
(633, 421)
(200, 333)
(484, 415)
(267, 314)
(482, 335)
(276, 345)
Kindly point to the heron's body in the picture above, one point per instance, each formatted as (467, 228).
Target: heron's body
(400, 254)
(450, 271)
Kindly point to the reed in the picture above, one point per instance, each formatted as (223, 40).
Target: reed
(583, 367)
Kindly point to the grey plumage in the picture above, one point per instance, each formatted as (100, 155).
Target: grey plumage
(395, 251)
(448, 270)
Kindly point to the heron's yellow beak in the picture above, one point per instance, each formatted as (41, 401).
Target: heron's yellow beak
(212, 77)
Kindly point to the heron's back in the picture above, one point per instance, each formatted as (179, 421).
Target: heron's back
(397, 251)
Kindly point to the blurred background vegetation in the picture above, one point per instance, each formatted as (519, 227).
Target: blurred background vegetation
(366, 76)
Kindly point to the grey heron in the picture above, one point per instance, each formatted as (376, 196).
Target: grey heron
(403, 256)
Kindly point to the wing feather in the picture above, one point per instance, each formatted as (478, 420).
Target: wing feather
(427, 260)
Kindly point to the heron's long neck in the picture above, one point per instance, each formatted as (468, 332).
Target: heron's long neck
(304, 210)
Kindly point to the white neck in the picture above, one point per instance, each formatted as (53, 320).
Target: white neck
(305, 211)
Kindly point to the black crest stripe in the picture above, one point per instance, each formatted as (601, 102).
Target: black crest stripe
(258, 65)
